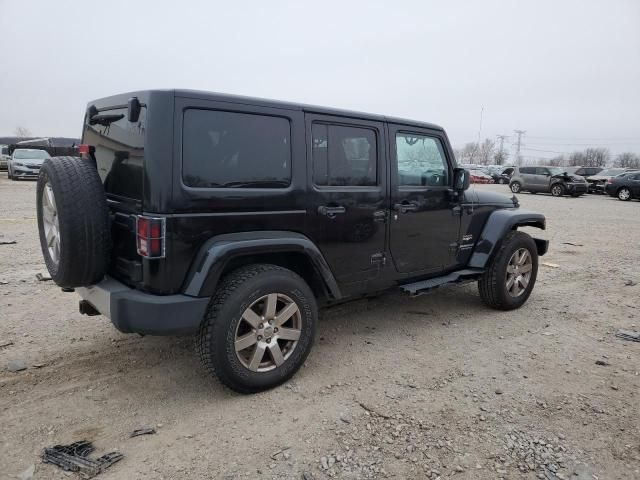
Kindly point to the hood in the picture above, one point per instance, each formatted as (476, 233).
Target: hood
(484, 197)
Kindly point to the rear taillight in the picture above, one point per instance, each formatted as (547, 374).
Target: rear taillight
(150, 236)
(84, 151)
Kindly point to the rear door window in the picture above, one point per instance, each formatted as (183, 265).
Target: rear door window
(235, 150)
(344, 156)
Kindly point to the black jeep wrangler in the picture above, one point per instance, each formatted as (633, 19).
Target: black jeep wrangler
(237, 218)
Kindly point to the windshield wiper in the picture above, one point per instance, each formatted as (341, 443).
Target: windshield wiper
(258, 183)
(105, 119)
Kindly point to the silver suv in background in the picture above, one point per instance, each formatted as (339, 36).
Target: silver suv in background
(553, 180)
(4, 156)
(26, 163)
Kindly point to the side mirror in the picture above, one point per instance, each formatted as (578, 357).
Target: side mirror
(461, 179)
(133, 109)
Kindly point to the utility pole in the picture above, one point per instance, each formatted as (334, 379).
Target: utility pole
(520, 133)
(502, 139)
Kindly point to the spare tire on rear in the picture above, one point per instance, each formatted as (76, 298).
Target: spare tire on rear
(73, 221)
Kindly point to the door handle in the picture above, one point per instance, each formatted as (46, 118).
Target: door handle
(331, 212)
(405, 207)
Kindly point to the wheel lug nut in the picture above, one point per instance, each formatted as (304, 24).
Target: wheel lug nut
(259, 337)
(260, 326)
(275, 330)
(268, 340)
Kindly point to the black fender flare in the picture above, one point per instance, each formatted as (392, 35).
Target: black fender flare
(219, 250)
(500, 222)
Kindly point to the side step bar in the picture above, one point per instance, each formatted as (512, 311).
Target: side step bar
(424, 286)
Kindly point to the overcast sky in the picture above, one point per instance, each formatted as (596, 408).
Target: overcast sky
(567, 72)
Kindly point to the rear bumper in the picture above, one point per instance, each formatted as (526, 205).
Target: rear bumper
(133, 311)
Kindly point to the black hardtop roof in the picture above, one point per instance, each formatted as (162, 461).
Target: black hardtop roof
(120, 99)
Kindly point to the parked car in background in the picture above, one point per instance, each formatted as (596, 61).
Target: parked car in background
(26, 163)
(597, 182)
(478, 176)
(553, 180)
(625, 186)
(583, 171)
(4, 156)
(502, 176)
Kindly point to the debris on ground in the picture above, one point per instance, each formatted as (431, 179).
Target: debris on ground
(549, 264)
(142, 431)
(282, 450)
(16, 366)
(39, 365)
(573, 244)
(6, 343)
(630, 283)
(43, 277)
(74, 458)
(628, 335)
(7, 242)
(4, 282)
(602, 363)
(27, 474)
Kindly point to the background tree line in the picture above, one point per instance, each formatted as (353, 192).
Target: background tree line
(487, 153)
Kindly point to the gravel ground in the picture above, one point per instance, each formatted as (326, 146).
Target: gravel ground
(396, 387)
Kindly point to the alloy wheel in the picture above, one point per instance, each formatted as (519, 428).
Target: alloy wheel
(51, 223)
(624, 194)
(556, 190)
(519, 271)
(268, 332)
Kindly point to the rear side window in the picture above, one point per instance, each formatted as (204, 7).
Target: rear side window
(344, 156)
(239, 150)
(542, 171)
(528, 170)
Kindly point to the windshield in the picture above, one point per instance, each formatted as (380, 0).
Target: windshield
(611, 172)
(33, 154)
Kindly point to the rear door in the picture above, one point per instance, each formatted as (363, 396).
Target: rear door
(424, 224)
(346, 198)
(542, 179)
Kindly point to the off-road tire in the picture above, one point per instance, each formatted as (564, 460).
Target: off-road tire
(83, 220)
(557, 190)
(516, 187)
(492, 286)
(625, 197)
(215, 342)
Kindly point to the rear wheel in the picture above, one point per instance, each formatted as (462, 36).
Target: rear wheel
(516, 187)
(624, 194)
(509, 280)
(259, 328)
(557, 190)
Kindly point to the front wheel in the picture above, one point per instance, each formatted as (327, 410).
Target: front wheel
(624, 194)
(516, 187)
(259, 328)
(509, 280)
(557, 190)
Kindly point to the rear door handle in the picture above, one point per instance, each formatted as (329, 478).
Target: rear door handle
(331, 212)
(405, 207)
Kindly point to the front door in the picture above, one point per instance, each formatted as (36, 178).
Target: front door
(347, 194)
(424, 224)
